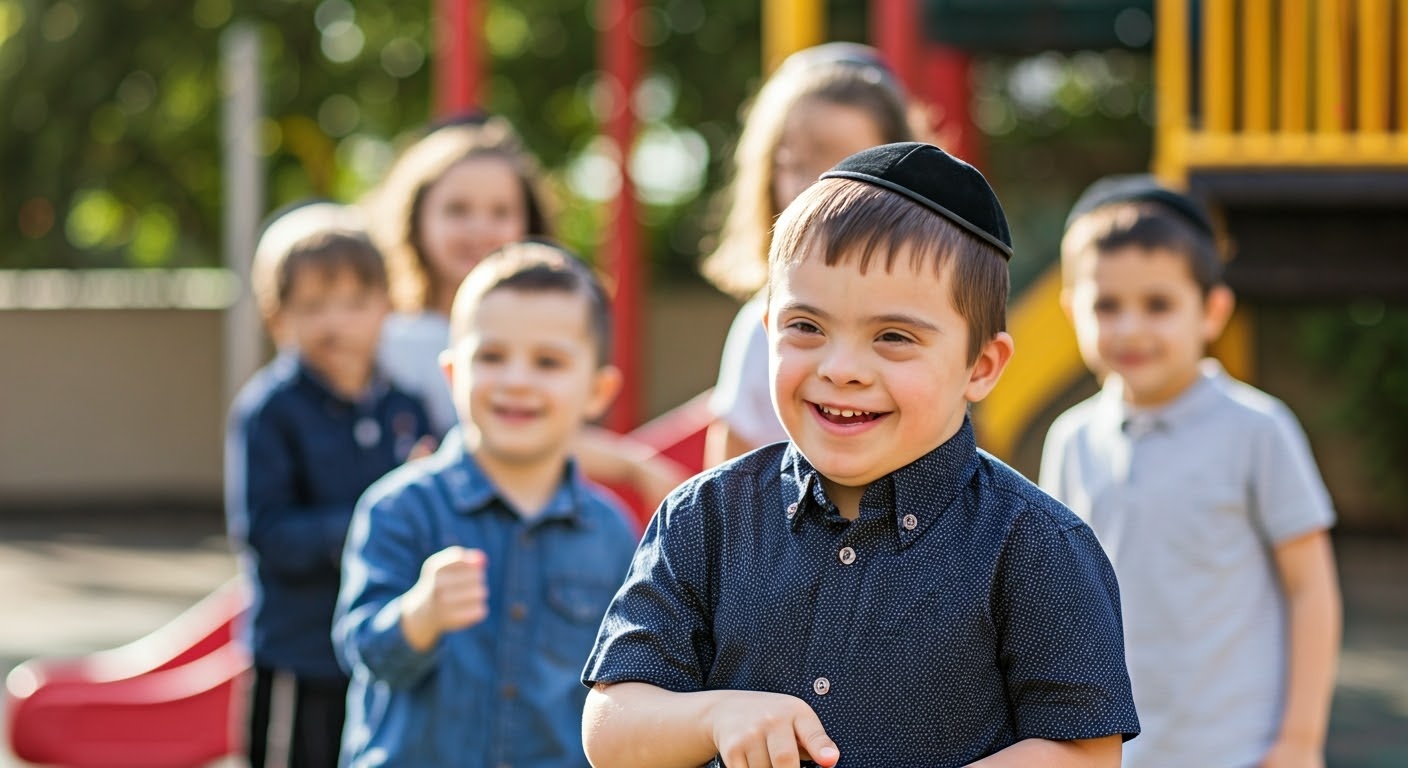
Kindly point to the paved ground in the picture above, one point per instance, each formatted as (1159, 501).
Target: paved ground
(74, 583)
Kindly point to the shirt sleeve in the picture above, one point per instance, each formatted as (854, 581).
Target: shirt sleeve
(292, 541)
(1290, 496)
(1060, 636)
(381, 563)
(657, 629)
(742, 396)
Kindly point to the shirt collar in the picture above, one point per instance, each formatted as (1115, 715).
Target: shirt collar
(471, 491)
(1135, 422)
(307, 377)
(913, 496)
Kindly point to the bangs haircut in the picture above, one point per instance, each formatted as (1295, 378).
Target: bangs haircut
(1148, 227)
(841, 220)
(535, 267)
(327, 254)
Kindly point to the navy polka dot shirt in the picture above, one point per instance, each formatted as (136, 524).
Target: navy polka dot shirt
(965, 610)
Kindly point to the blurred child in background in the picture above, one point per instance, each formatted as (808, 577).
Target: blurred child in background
(1202, 490)
(475, 579)
(821, 105)
(451, 198)
(307, 435)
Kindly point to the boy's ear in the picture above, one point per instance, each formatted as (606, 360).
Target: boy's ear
(988, 368)
(277, 327)
(447, 364)
(606, 384)
(1066, 303)
(1217, 310)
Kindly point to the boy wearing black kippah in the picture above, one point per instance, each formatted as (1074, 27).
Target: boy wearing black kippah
(877, 591)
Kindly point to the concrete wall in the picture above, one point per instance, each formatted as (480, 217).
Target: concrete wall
(126, 406)
(120, 405)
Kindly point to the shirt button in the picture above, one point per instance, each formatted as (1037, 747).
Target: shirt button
(910, 522)
(847, 556)
(822, 686)
(510, 691)
(517, 611)
(791, 511)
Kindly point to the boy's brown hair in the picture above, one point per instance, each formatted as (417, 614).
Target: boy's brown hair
(1136, 211)
(840, 219)
(320, 237)
(535, 266)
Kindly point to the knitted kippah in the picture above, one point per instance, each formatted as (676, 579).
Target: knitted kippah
(936, 180)
(1140, 188)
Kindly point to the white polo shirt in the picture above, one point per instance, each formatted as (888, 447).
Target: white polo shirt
(1189, 501)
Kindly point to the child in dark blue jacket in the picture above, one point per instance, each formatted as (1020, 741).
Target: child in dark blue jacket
(306, 436)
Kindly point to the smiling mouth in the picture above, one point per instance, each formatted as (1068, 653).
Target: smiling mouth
(845, 415)
(515, 413)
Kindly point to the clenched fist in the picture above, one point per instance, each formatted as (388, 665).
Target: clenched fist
(451, 594)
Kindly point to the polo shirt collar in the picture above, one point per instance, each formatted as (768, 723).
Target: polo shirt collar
(472, 492)
(913, 496)
(1120, 417)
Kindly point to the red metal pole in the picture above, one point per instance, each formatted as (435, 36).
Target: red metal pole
(947, 70)
(620, 61)
(896, 30)
(459, 57)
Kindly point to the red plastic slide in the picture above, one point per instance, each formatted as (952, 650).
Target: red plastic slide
(163, 701)
(174, 699)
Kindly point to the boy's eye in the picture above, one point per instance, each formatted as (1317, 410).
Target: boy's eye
(803, 326)
(549, 363)
(1159, 305)
(488, 356)
(894, 337)
(1106, 306)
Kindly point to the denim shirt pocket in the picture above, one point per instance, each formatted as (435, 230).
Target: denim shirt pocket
(576, 604)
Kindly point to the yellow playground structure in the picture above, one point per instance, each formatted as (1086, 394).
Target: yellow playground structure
(1289, 118)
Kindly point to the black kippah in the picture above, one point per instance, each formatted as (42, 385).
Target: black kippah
(936, 180)
(1140, 188)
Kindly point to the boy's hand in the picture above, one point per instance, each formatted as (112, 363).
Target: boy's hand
(770, 730)
(450, 595)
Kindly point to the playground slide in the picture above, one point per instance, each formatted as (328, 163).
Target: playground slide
(173, 699)
(163, 701)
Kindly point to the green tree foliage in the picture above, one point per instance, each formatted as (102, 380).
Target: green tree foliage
(1364, 347)
(110, 115)
(110, 112)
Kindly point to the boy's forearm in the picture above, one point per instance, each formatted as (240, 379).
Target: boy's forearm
(635, 724)
(1081, 753)
(1313, 623)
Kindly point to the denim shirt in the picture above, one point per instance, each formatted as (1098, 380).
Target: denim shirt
(504, 691)
(963, 611)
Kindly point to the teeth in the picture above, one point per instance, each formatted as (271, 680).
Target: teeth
(845, 414)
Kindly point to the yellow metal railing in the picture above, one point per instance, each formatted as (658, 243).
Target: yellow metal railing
(1281, 83)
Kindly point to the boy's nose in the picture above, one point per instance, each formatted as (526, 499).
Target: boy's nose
(843, 364)
(517, 373)
(1125, 323)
